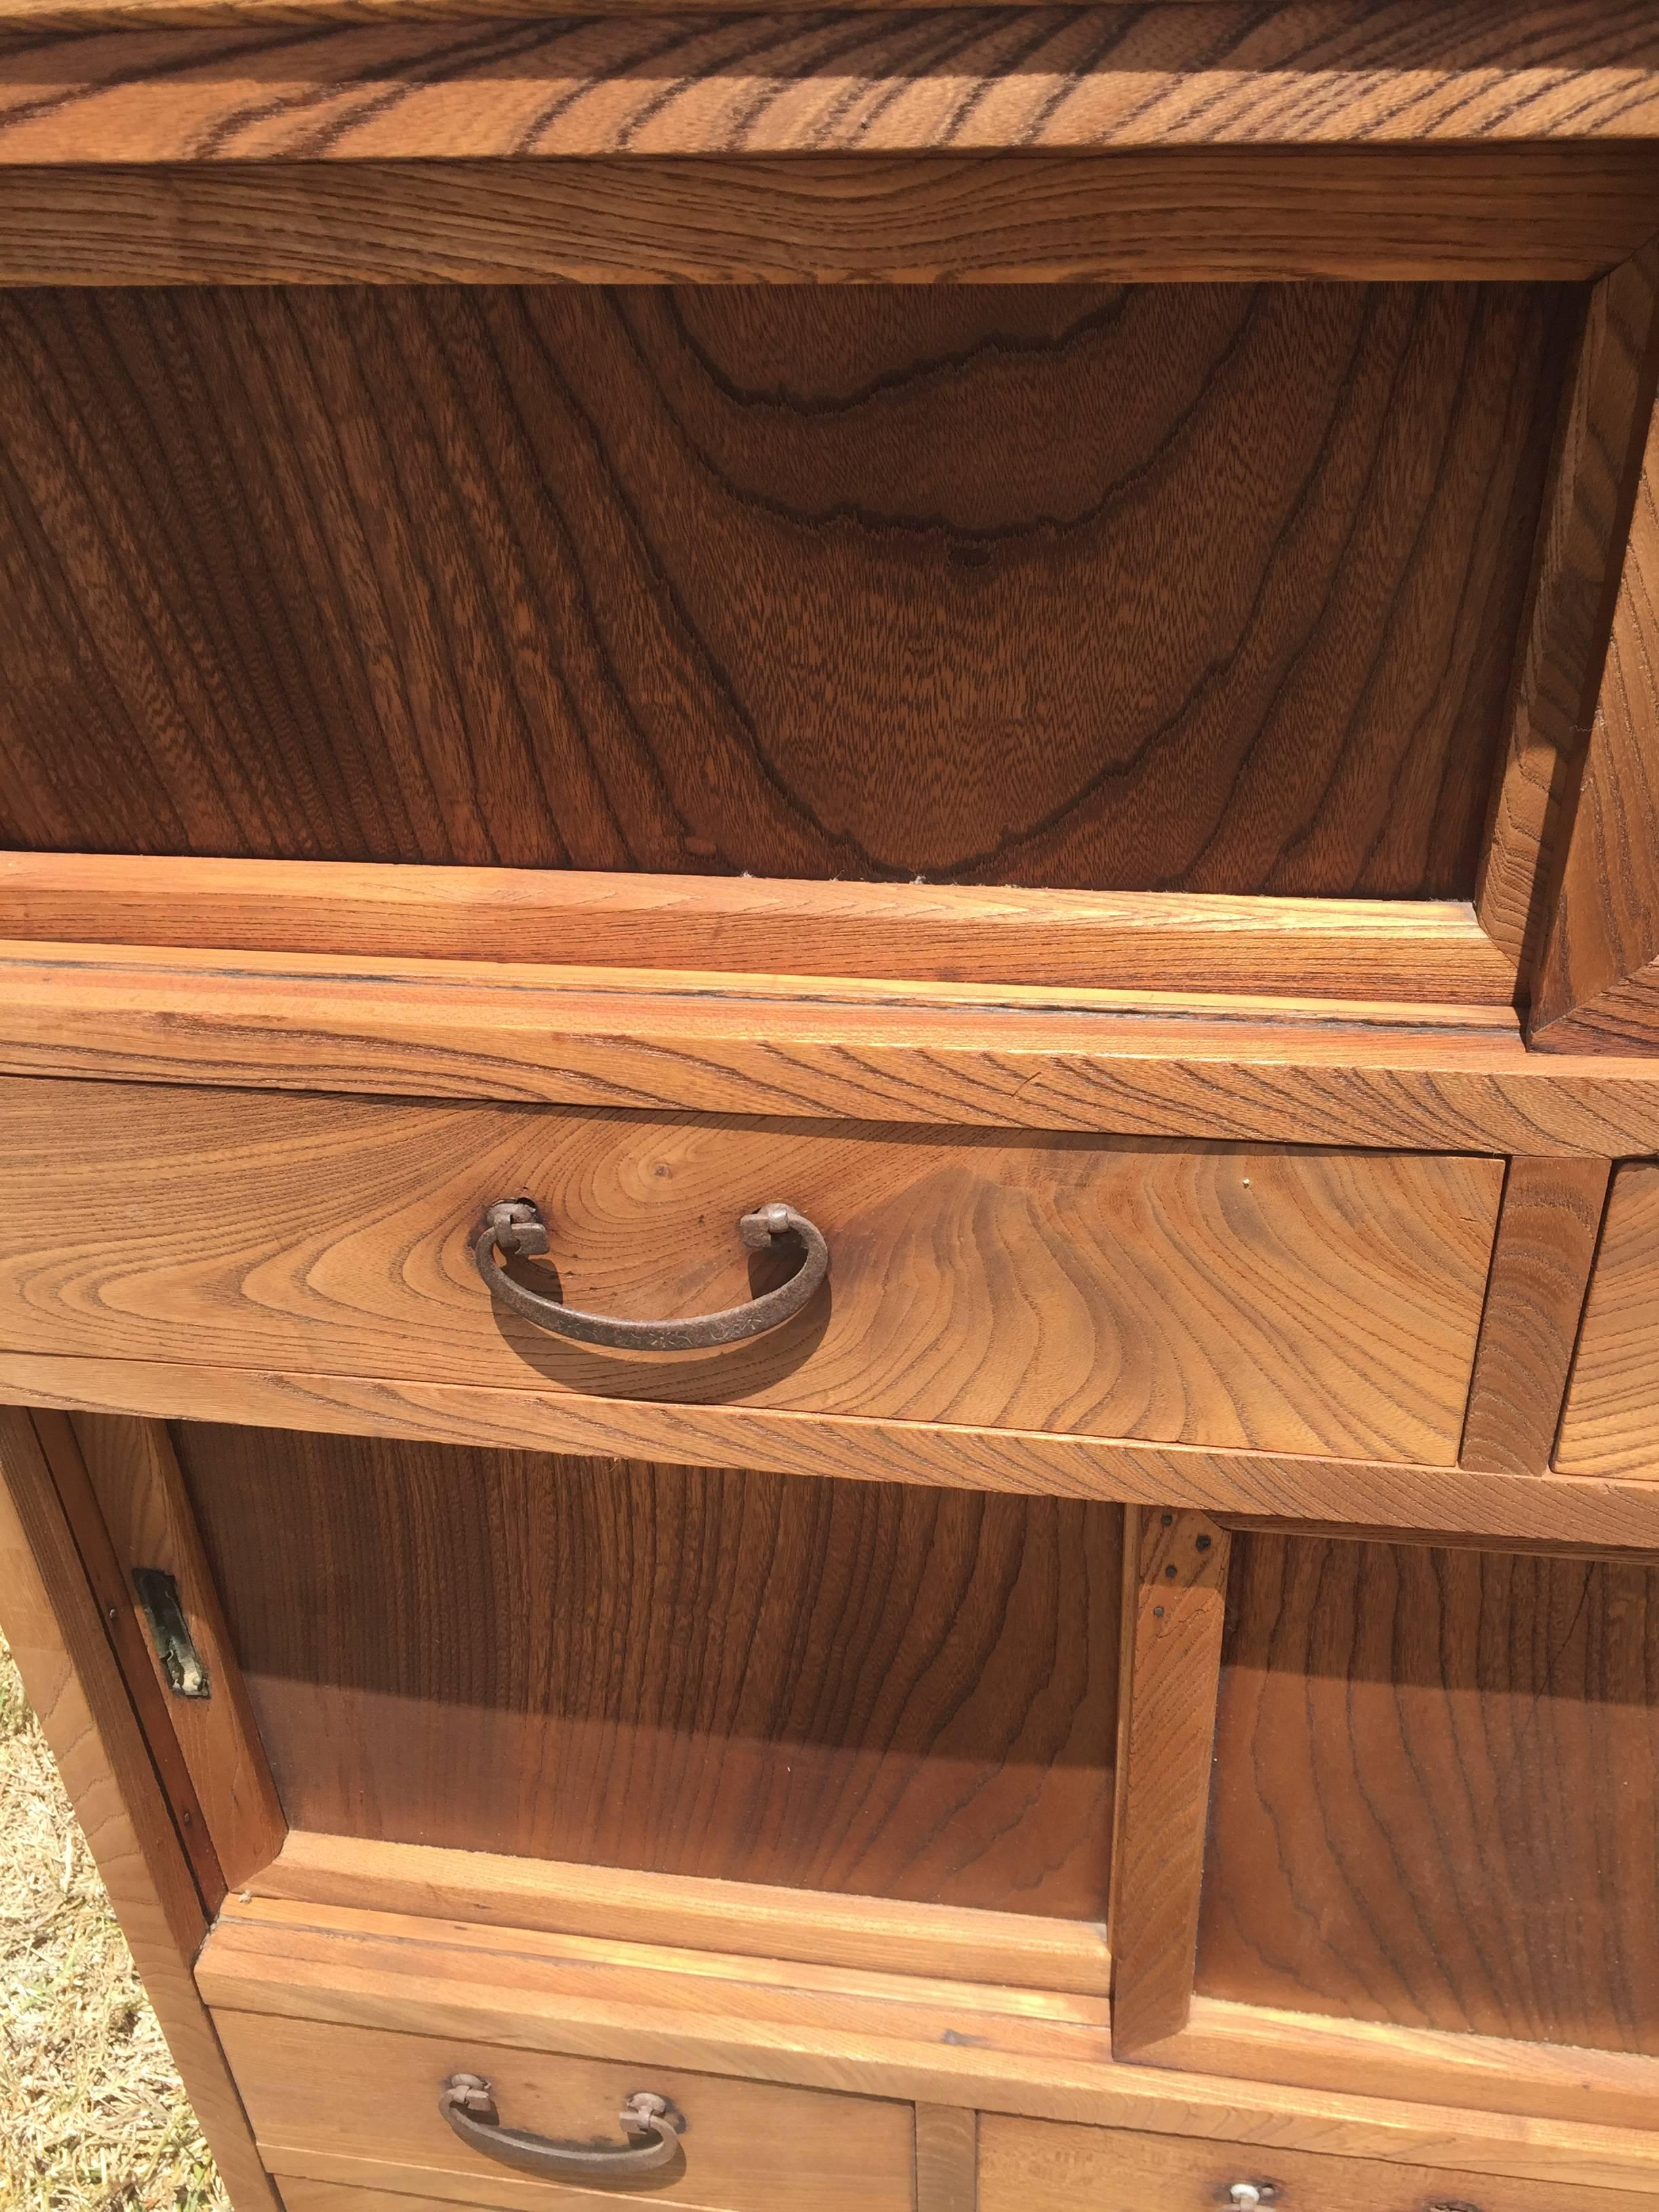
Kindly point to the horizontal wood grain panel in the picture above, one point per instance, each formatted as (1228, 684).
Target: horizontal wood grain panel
(1034, 2165)
(1432, 950)
(882, 2036)
(1556, 213)
(777, 580)
(1610, 1424)
(1024, 1950)
(747, 2147)
(1437, 1780)
(1301, 1300)
(1309, 1071)
(980, 77)
(860, 1688)
(1584, 1514)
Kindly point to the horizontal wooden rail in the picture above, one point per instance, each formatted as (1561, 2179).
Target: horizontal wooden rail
(1431, 950)
(1285, 1071)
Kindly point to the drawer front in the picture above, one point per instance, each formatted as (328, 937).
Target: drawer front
(1611, 1425)
(349, 2105)
(1294, 1300)
(1038, 2165)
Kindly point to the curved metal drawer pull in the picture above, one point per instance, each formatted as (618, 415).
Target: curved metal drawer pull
(467, 2103)
(515, 1226)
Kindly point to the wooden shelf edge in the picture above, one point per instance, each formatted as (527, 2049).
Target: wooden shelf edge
(945, 1942)
(1429, 951)
(1582, 1509)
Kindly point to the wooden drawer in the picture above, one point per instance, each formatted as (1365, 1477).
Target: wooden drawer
(1038, 2166)
(1295, 1300)
(1611, 1425)
(357, 2105)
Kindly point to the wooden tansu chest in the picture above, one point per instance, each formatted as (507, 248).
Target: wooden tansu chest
(829, 1089)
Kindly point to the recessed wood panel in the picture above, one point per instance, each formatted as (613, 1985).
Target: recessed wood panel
(1284, 1299)
(1611, 1425)
(1212, 587)
(850, 1687)
(1437, 1795)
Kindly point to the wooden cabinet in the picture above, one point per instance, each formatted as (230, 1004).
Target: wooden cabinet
(828, 1109)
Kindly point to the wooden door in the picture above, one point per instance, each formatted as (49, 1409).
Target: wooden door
(1391, 1818)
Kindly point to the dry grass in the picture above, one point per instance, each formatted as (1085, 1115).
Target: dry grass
(91, 2115)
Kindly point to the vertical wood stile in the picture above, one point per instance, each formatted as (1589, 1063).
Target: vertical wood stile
(1174, 1611)
(1597, 462)
(1540, 1271)
(135, 1474)
(56, 1629)
(947, 2158)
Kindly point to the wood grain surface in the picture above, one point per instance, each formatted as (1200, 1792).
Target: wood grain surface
(947, 2159)
(748, 2147)
(1560, 210)
(1597, 989)
(1177, 1593)
(1541, 1272)
(1036, 2165)
(787, 581)
(1018, 1950)
(1575, 1512)
(884, 2036)
(979, 78)
(1437, 1792)
(1580, 553)
(1272, 1071)
(1301, 1300)
(861, 1688)
(1390, 949)
(1608, 1427)
(56, 1631)
(135, 1478)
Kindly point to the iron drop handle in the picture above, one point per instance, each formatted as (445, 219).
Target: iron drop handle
(650, 2122)
(514, 1226)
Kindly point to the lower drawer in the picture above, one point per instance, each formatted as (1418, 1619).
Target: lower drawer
(1037, 2165)
(347, 2105)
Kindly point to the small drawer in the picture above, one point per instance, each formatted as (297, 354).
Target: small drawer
(1037, 2165)
(1288, 1299)
(344, 2108)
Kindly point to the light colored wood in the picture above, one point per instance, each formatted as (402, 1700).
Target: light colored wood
(1281, 1072)
(1611, 1425)
(1597, 460)
(325, 2181)
(1552, 213)
(1032, 2166)
(1051, 78)
(1540, 1271)
(1604, 1515)
(947, 2157)
(53, 1626)
(943, 1941)
(1179, 1607)
(135, 1477)
(864, 2034)
(354, 2094)
(1302, 1301)
(1434, 951)
(1597, 988)
(1547, 2081)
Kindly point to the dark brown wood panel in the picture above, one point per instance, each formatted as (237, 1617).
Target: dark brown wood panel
(849, 1686)
(1437, 1796)
(1211, 587)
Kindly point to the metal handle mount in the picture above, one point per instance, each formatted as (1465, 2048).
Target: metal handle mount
(650, 2122)
(514, 1226)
